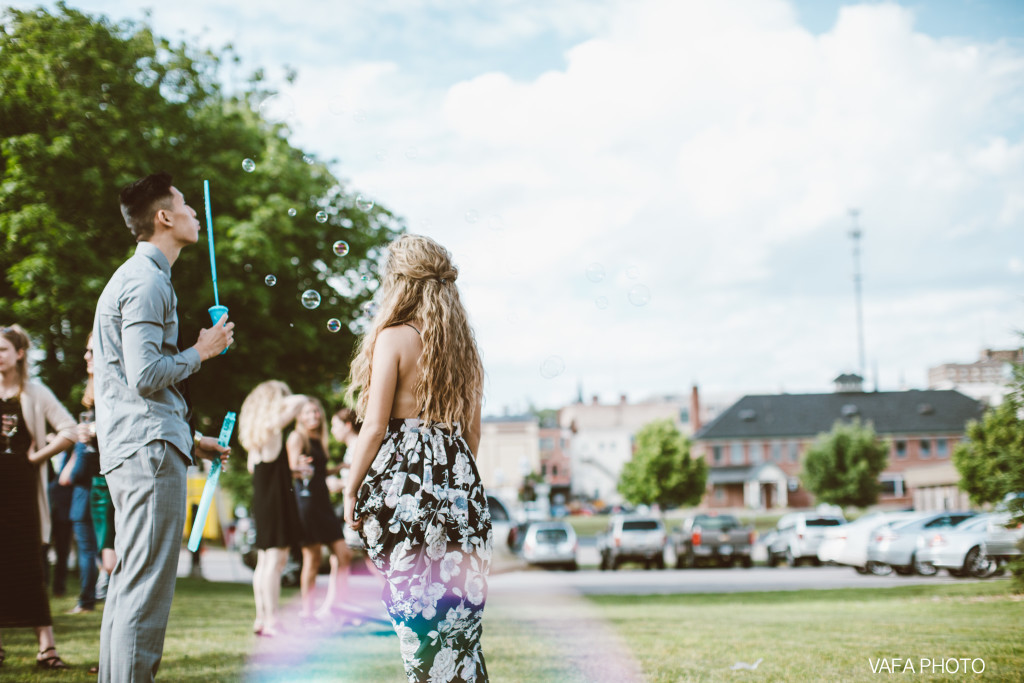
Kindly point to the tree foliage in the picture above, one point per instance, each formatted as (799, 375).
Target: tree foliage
(662, 470)
(87, 105)
(991, 459)
(843, 465)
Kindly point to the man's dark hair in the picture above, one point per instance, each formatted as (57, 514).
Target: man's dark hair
(142, 199)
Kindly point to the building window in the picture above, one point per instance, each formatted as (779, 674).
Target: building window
(794, 451)
(756, 452)
(891, 485)
(926, 448)
(716, 455)
(554, 470)
(901, 449)
(543, 469)
(736, 456)
(942, 448)
(793, 484)
(777, 451)
(547, 444)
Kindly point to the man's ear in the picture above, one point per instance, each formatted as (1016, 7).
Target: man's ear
(161, 217)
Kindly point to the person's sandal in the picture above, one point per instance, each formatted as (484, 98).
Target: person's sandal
(53, 662)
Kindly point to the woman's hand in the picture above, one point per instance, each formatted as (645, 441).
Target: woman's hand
(351, 520)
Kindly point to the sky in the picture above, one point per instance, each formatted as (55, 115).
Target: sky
(643, 195)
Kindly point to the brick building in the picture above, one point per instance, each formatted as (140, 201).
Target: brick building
(755, 449)
(987, 379)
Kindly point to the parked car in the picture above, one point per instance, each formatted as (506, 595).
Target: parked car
(798, 535)
(632, 539)
(959, 550)
(713, 537)
(847, 544)
(551, 544)
(897, 546)
(1003, 537)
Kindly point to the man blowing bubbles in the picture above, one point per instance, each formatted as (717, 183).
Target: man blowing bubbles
(145, 440)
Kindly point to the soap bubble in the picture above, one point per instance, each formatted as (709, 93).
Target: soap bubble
(321, 216)
(333, 324)
(472, 216)
(271, 280)
(311, 298)
(248, 267)
(595, 272)
(364, 203)
(640, 295)
(277, 108)
(340, 248)
(248, 165)
(552, 367)
(294, 260)
(601, 302)
(411, 153)
(292, 212)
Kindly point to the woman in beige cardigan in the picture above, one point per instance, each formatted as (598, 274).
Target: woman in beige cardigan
(23, 600)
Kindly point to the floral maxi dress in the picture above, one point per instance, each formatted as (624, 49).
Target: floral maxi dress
(427, 529)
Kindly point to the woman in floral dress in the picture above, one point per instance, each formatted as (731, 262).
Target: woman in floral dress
(414, 492)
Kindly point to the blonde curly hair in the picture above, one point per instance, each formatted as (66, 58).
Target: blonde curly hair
(258, 418)
(418, 282)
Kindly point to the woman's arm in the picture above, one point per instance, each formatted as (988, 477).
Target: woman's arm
(384, 381)
(473, 433)
(291, 405)
(296, 458)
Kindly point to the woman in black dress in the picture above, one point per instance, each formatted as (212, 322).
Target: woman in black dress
(27, 409)
(265, 412)
(413, 490)
(320, 526)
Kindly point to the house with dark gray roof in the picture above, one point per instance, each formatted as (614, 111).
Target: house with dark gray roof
(755, 448)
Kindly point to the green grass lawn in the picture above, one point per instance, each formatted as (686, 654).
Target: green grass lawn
(821, 635)
(801, 636)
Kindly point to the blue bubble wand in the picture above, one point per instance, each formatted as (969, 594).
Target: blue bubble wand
(216, 311)
(210, 486)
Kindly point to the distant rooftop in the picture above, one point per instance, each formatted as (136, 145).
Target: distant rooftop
(891, 412)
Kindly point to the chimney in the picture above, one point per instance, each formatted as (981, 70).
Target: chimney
(695, 409)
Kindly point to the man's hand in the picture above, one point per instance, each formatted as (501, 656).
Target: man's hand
(213, 340)
(209, 449)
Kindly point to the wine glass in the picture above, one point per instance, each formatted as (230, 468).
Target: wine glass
(88, 418)
(10, 428)
(307, 472)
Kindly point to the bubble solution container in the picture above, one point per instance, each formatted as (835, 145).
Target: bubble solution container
(216, 313)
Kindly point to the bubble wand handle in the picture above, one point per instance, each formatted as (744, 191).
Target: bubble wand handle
(209, 236)
(210, 486)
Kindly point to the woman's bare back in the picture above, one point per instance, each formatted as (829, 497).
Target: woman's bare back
(410, 348)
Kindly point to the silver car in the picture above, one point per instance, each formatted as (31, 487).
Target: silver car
(1003, 537)
(847, 544)
(798, 535)
(552, 544)
(897, 546)
(959, 549)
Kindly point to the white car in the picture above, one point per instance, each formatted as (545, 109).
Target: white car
(959, 549)
(1003, 537)
(847, 544)
(550, 544)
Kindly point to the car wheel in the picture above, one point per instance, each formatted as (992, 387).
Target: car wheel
(616, 562)
(879, 568)
(773, 559)
(861, 570)
(604, 562)
(791, 559)
(572, 566)
(978, 565)
(923, 568)
(748, 562)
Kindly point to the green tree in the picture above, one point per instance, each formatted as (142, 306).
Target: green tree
(87, 105)
(661, 470)
(843, 465)
(991, 459)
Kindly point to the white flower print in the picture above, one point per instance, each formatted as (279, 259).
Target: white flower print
(393, 489)
(436, 540)
(450, 565)
(408, 509)
(468, 672)
(462, 471)
(371, 527)
(443, 669)
(476, 586)
(408, 641)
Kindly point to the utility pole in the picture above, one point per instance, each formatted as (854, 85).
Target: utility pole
(855, 234)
